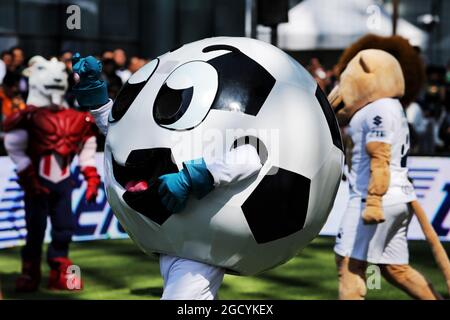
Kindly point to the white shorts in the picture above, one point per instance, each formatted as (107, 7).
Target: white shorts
(383, 243)
(189, 280)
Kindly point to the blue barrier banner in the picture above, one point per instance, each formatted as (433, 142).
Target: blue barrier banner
(94, 221)
(431, 177)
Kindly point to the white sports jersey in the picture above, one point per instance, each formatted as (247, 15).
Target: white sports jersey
(383, 121)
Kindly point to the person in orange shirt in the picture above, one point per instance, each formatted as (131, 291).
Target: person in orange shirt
(10, 99)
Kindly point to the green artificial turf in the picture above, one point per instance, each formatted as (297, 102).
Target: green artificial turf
(116, 269)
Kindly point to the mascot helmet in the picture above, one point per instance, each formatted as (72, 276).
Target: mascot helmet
(371, 75)
(48, 81)
(399, 47)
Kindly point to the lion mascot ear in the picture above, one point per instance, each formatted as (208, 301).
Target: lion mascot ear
(27, 71)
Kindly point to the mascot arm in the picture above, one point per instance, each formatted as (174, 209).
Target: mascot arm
(380, 155)
(238, 164)
(87, 153)
(101, 116)
(200, 176)
(88, 169)
(379, 137)
(16, 143)
(90, 89)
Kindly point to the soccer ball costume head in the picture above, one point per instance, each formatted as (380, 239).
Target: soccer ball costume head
(209, 97)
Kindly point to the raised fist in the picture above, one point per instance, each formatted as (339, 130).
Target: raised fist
(90, 90)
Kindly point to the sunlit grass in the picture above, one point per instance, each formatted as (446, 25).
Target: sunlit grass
(116, 269)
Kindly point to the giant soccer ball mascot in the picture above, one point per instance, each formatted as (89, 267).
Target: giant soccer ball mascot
(221, 156)
(42, 141)
(379, 77)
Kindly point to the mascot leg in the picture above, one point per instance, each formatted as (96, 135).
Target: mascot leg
(409, 280)
(189, 280)
(36, 210)
(352, 278)
(63, 226)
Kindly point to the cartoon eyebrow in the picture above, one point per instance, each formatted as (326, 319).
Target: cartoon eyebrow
(217, 47)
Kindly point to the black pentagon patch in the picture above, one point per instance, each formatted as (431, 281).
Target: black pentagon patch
(243, 82)
(277, 207)
(331, 118)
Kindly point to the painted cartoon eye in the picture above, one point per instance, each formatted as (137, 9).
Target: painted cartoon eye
(131, 89)
(186, 96)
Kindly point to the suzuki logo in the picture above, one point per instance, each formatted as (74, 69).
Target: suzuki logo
(377, 120)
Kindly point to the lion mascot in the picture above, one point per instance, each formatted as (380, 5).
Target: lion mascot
(376, 81)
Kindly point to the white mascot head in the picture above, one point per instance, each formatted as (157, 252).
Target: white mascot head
(214, 94)
(47, 81)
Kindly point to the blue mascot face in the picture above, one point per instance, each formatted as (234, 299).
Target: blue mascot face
(210, 96)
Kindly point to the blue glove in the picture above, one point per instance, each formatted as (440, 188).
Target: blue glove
(91, 91)
(175, 187)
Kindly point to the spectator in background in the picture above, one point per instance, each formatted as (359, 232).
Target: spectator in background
(120, 58)
(18, 59)
(5, 64)
(419, 125)
(111, 78)
(10, 98)
(326, 79)
(17, 66)
(433, 106)
(135, 64)
(7, 58)
(107, 54)
(66, 58)
(332, 76)
(444, 129)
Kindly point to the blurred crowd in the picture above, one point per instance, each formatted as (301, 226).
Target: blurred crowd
(117, 68)
(428, 117)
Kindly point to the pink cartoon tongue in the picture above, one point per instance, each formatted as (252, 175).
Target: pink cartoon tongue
(135, 186)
